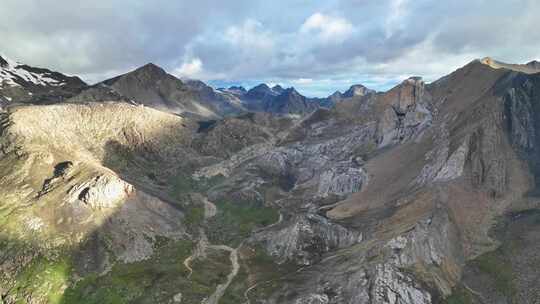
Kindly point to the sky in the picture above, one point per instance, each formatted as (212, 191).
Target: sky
(316, 46)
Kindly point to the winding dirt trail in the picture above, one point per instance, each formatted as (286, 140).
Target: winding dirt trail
(221, 288)
(187, 263)
(198, 252)
(210, 210)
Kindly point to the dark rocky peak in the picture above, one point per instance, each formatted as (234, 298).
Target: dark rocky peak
(336, 97)
(196, 84)
(150, 69)
(278, 89)
(261, 91)
(237, 88)
(291, 92)
(336, 94)
(148, 74)
(357, 90)
(3, 62)
(534, 64)
(290, 102)
(263, 87)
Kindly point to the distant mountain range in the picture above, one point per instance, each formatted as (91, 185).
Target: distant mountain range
(152, 86)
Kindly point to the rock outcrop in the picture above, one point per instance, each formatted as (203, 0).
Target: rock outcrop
(305, 238)
(407, 113)
(103, 191)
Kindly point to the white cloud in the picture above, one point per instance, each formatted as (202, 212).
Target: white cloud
(424, 60)
(250, 34)
(303, 81)
(190, 69)
(328, 28)
(397, 12)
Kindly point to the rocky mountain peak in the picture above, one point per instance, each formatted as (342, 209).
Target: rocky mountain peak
(532, 67)
(3, 62)
(146, 76)
(151, 69)
(291, 91)
(488, 61)
(261, 91)
(196, 84)
(405, 95)
(336, 94)
(534, 64)
(356, 90)
(21, 83)
(237, 88)
(261, 87)
(414, 80)
(278, 89)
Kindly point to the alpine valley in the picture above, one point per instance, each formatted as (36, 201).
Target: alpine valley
(145, 188)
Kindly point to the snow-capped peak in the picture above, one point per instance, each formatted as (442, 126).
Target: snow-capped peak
(13, 74)
(7, 62)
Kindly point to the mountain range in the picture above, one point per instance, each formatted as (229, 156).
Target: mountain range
(152, 86)
(145, 188)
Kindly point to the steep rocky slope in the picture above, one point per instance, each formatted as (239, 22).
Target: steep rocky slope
(449, 158)
(151, 86)
(426, 193)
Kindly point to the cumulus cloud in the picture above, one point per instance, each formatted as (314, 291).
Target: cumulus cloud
(249, 35)
(190, 69)
(327, 28)
(397, 13)
(303, 81)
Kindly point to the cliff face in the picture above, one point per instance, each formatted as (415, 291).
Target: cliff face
(386, 198)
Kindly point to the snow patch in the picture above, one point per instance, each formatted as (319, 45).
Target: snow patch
(13, 72)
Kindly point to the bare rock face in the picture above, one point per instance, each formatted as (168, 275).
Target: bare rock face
(342, 181)
(390, 272)
(313, 299)
(518, 102)
(357, 90)
(407, 112)
(103, 191)
(455, 164)
(394, 287)
(304, 238)
(408, 94)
